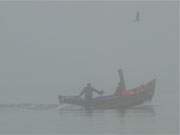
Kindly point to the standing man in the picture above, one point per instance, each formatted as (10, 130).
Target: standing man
(121, 85)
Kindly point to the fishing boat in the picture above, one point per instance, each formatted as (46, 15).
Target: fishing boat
(127, 98)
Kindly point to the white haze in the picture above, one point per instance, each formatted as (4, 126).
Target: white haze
(55, 48)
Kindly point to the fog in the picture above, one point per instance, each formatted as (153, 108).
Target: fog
(55, 48)
(52, 48)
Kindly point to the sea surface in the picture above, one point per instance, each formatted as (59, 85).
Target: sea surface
(160, 116)
(67, 119)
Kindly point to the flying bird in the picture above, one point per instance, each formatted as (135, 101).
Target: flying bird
(137, 17)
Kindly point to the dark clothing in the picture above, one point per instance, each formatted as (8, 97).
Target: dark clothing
(88, 96)
(121, 86)
(88, 92)
(119, 90)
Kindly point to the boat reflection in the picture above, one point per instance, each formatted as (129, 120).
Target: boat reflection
(145, 110)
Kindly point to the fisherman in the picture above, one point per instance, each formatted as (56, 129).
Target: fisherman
(119, 89)
(88, 92)
(121, 85)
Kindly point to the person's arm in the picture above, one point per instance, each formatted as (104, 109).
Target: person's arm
(97, 91)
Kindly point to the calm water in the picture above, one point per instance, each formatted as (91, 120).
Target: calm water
(146, 119)
(157, 117)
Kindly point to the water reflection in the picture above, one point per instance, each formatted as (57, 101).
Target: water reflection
(141, 110)
(71, 119)
(148, 110)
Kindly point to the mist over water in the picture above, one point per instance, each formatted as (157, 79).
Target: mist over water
(47, 49)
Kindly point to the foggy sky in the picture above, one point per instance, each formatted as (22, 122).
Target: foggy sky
(48, 49)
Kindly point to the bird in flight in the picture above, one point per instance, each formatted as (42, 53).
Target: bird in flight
(137, 17)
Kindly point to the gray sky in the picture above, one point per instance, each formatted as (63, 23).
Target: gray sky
(48, 49)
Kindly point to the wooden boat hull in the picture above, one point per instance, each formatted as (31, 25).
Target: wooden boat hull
(142, 94)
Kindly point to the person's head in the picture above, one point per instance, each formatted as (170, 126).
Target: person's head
(88, 84)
